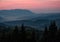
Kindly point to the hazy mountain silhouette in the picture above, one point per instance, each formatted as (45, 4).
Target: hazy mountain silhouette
(21, 14)
(27, 17)
(39, 21)
(17, 14)
(2, 19)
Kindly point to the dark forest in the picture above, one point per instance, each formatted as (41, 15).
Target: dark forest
(50, 33)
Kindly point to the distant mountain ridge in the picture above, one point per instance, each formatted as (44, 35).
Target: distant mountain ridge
(2, 19)
(17, 14)
(37, 22)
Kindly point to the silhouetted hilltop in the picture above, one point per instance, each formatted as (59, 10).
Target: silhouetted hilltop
(17, 14)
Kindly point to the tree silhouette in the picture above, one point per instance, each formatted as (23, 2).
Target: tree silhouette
(52, 31)
(15, 34)
(46, 30)
(53, 27)
(3, 36)
(23, 33)
(33, 36)
(45, 35)
(16, 30)
(50, 35)
(37, 36)
(58, 36)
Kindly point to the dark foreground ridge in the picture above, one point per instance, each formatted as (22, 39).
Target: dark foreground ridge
(28, 34)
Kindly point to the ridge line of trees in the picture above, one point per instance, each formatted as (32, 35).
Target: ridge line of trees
(20, 34)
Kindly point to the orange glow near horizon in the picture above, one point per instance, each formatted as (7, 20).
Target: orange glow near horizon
(30, 4)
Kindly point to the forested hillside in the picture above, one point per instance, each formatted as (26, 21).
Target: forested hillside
(23, 33)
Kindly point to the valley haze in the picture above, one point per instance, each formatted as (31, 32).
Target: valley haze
(29, 18)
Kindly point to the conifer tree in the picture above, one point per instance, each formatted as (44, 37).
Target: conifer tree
(23, 34)
(45, 35)
(52, 31)
(15, 34)
(53, 27)
(46, 30)
(33, 36)
(37, 36)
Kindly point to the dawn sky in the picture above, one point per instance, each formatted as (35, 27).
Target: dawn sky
(34, 5)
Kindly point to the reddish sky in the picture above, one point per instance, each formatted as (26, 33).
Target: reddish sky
(34, 5)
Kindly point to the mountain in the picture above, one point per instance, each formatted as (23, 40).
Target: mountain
(52, 16)
(1, 19)
(17, 14)
(38, 22)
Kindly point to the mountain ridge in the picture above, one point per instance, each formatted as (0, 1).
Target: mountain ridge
(17, 14)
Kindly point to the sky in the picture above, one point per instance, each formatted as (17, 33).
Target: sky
(37, 6)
